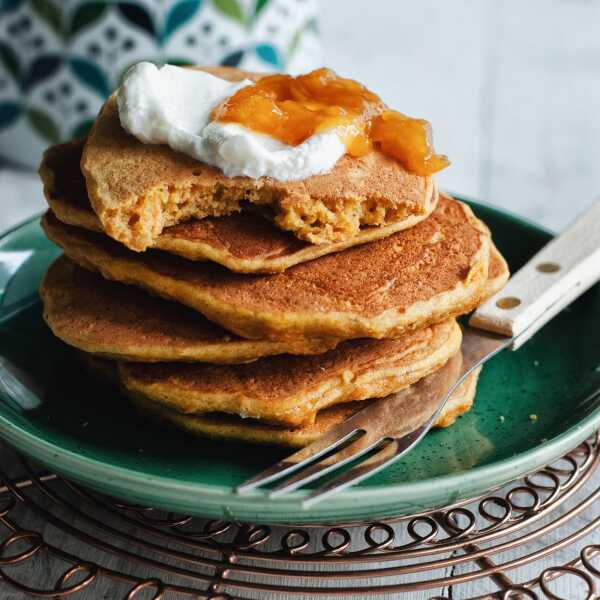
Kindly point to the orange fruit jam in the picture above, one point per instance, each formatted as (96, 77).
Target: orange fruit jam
(291, 109)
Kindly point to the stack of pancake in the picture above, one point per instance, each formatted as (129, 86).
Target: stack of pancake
(253, 309)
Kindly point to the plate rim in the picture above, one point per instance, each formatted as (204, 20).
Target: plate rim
(500, 471)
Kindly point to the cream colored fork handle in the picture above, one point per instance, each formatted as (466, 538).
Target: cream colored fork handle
(560, 272)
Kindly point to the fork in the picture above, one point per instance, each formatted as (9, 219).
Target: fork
(387, 429)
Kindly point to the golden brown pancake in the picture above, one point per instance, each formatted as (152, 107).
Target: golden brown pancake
(139, 189)
(498, 273)
(290, 390)
(233, 428)
(117, 321)
(460, 402)
(428, 273)
(245, 242)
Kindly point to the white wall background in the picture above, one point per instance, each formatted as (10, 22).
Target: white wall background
(512, 88)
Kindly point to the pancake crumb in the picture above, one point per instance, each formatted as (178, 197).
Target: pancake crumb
(533, 418)
(347, 376)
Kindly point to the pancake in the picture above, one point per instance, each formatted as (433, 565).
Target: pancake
(117, 321)
(428, 273)
(289, 390)
(245, 242)
(498, 273)
(138, 189)
(222, 426)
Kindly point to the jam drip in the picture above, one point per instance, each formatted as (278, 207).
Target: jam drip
(292, 109)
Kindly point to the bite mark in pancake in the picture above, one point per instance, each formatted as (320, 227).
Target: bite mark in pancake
(222, 426)
(290, 390)
(244, 242)
(139, 189)
(120, 322)
(426, 274)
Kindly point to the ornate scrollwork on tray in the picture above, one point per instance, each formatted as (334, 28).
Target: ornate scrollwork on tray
(145, 553)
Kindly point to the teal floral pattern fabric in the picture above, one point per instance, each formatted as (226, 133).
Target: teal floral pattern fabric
(59, 59)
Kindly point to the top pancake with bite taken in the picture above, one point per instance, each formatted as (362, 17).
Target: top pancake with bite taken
(138, 189)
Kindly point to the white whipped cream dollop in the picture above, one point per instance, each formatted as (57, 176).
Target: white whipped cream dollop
(172, 105)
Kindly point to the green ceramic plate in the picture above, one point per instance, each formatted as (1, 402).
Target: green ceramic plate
(91, 435)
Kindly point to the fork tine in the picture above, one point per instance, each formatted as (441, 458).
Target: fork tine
(414, 407)
(388, 454)
(338, 435)
(299, 459)
(355, 449)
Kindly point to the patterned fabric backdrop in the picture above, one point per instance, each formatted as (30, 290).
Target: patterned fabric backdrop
(59, 59)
